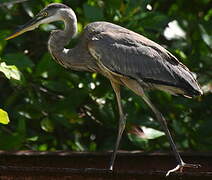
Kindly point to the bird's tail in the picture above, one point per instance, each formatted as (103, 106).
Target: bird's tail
(193, 90)
(190, 86)
(186, 86)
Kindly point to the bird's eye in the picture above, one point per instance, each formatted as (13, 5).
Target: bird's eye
(45, 14)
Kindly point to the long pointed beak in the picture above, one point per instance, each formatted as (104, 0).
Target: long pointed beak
(29, 26)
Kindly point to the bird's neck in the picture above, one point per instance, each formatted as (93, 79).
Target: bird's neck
(60, 38)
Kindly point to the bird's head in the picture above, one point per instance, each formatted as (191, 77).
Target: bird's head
(47, 15)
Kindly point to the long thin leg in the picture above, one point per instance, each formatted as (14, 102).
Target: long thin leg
(122, 122)
(162, 120)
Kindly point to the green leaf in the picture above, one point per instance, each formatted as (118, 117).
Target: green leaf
(146, 133)
(138, 141)
(206, 36)
(10, 71)
(141, 135)
(48, 27)
(150, 133)
(47, 125)
(20, 60)
(43, 147)
(4, 119)
(33, 138)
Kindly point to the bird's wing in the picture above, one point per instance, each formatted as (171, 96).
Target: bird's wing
(126, 54)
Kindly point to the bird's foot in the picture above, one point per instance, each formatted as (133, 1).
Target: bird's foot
(180, 167)
(111, 167)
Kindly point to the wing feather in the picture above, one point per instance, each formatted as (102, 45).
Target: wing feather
(130, 54)
(134, 60)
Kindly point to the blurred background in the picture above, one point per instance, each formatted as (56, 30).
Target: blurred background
(51, 108)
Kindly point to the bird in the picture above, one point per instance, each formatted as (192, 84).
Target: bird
(126, 58)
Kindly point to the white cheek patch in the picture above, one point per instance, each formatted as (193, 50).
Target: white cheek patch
(50, 19)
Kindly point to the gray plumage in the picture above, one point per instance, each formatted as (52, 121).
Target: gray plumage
(122, 52)
(129, 54)
(123, 56)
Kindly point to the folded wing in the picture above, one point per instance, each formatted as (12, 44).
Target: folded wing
(136, 57)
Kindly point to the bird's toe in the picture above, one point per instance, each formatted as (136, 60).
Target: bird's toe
(180, 167)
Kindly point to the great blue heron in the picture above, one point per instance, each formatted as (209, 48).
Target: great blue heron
(123, 56)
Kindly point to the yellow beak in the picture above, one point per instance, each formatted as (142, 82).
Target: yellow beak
(29, 26)
(15, 35)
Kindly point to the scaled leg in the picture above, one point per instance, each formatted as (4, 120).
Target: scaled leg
(162, 120)
(122, 122)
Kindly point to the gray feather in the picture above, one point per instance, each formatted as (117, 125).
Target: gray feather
(130, 54)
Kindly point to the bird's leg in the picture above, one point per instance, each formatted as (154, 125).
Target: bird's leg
(122, 122)
(162, 120)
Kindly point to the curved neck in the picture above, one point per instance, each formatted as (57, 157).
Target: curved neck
(60, 38)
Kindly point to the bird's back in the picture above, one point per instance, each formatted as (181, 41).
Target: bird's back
(130, 54)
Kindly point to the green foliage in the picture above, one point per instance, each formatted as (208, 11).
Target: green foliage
(10, 71)
(52, 108)
(4, 119)
(140, 136)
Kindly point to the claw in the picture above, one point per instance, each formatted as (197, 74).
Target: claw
(180, 167)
